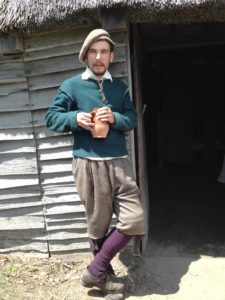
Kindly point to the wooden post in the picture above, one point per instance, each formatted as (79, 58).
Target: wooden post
(140, 137)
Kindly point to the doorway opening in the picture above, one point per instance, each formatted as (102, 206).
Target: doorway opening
(183, 92)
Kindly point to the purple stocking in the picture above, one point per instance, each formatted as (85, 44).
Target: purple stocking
(114, 242)
(96, 245)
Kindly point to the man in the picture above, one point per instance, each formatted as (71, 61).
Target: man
(102, 171)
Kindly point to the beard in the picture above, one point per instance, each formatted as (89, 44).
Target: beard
(98, 70)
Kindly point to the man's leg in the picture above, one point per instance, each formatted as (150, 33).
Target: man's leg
(96, 274)
(113, 244)
(96, 245)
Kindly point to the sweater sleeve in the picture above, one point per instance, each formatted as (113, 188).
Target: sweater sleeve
(126, 120)
(62, 115)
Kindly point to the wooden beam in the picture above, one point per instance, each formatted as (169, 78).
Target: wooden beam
(11, 43)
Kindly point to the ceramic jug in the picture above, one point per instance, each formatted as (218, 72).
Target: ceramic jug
(101, 129)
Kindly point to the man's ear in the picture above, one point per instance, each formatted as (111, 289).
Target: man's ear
(112, 56)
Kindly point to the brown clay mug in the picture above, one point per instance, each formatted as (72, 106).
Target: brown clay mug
(101, 128)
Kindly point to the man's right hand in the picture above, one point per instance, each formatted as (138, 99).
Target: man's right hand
(84, 120)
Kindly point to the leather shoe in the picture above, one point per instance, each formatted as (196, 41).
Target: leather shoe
(106, 283)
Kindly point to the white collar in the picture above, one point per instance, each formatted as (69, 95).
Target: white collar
(89, 74)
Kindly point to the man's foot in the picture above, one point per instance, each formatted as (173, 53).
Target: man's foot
(118, 296)
(105, 283)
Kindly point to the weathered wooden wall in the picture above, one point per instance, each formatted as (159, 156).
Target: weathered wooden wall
(22, 225)
(40, 209)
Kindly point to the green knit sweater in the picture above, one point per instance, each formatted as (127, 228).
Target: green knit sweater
(78, 95)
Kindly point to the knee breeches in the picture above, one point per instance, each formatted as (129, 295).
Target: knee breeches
(106, 187)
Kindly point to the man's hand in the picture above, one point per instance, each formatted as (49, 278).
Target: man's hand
(84, 120)
(105, 114)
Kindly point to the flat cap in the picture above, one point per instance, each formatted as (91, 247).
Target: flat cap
(93, 36)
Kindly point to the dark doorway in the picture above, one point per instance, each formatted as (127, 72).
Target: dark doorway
(183, 72)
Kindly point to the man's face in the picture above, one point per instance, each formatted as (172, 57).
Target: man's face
(99, 57)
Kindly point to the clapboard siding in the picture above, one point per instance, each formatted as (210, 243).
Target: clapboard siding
(18, 163)
(17, 146)
(38, 185)
(44, 96)
(54, 142)
(19, 192)
(49, 59)
(52, 80)
(15, 101)
(15, 119)
(21, 210)
(16, 134)
(52, 65)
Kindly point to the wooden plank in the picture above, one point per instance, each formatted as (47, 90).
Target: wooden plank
(53, 51)
(17, 181)
(23, 245)
(12, 70)
(63, 235)
(71, 247)
(15, 120)
(119, 69)
(22, 146)
(18, 101)
(25, 212)
(60, 199)
(38, 117)
(11, 42)
(16, 134)
(57, 178)
(42, 132)
(42, 99)
(120, 54)
(17, 57)
(54, 154)
(63, 209)
(55, 142)
(7, 89)
(73, 217)
(62, 165)
(52, 65)
(15, 80)
(22, 223)
(59, 189)
(20, 192)
(18, 164)
(67, 225)
(45, 40)
(20, 202)
(119, 37)
(52, 80)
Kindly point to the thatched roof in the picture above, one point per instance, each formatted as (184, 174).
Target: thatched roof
(27, 14)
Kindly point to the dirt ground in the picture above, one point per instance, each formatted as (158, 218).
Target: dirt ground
(162, 275)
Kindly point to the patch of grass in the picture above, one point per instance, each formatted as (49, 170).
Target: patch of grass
(7, 274)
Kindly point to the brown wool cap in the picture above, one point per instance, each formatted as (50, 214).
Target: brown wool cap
(93, 36)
